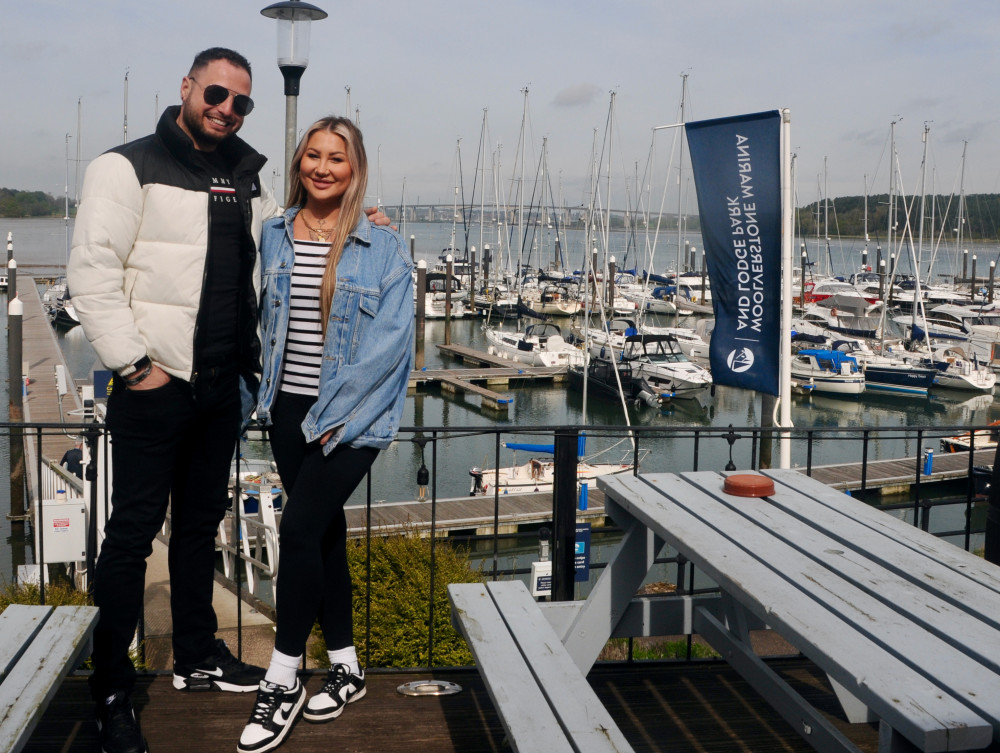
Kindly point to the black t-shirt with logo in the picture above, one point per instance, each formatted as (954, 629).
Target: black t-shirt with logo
(216, 341)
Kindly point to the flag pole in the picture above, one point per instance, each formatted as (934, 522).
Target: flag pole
(787, 208)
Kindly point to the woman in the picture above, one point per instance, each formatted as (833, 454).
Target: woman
(337, 328)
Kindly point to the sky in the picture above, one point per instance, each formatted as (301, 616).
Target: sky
(427, 80)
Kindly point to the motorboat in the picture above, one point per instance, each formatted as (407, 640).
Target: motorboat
(831, 371)
(540, 344)
(659, 362)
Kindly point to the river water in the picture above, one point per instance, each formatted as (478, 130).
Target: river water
(40, 249)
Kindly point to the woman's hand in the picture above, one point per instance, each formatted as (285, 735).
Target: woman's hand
(377, 217)
(326, 437)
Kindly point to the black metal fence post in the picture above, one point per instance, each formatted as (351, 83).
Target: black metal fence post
(992, 548)
(564, 514)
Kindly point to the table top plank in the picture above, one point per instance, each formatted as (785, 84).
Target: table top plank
(18, 624)
(858, 556)
(828, 638)
(516, 700)
(921, 544)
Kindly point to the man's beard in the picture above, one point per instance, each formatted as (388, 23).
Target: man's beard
(202, 138)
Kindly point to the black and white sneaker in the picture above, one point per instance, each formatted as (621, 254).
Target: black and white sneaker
(117, 727)
(341, 688)
(222, 671)
(273, 715)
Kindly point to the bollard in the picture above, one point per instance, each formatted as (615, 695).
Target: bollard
(15, 314)
(583, 496)
(928, 461)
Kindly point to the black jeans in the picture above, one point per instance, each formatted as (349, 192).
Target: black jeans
(313, 576)
(174, 443)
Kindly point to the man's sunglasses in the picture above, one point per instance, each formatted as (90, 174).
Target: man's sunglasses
(214, 94)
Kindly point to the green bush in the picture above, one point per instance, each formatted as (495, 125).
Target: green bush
(57, 594)
(400, 589)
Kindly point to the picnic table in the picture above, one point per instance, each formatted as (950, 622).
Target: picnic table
(905, 625)
(39, 645)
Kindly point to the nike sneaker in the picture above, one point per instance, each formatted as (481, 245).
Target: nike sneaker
(221, 671)
(272, 718)
(341, 688)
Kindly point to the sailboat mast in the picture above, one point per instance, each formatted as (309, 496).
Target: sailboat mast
(917, 297)
(680, 207)
(961, 203)
(66, 202)
(125, 112)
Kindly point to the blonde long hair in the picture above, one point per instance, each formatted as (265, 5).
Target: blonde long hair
(350, 205)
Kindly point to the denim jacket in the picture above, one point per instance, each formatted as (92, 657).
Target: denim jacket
(368, 349)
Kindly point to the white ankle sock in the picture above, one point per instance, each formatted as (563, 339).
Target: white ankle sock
(348, 656)
(283, 669)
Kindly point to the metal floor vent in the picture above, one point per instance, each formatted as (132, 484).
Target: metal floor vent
(429, 687)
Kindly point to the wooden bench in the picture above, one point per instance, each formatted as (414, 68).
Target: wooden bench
(544, 702)
(39, 646)
(906, 626)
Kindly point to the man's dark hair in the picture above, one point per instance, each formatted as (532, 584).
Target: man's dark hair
(220, 53)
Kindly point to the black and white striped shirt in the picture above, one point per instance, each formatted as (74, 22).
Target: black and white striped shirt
(304, 343)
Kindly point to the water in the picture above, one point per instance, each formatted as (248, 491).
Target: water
(40, 249)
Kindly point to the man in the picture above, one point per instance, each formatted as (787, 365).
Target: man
(164, 271)
(73, 459)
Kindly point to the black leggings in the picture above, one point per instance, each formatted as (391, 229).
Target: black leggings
(313, 577)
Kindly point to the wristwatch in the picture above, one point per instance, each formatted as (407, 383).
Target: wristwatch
(126, 371)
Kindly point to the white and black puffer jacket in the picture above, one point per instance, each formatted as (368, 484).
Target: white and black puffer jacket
(137, 266)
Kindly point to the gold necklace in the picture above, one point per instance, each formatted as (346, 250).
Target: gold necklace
(322, 234)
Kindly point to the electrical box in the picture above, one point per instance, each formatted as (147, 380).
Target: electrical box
(63, 531)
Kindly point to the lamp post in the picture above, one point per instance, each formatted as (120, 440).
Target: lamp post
(294, 18)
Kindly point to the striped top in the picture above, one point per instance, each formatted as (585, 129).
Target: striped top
(304, 343)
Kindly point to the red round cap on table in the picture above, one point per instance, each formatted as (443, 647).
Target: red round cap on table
(748, 485)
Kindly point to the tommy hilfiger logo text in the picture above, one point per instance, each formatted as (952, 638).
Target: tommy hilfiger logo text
(222, 190)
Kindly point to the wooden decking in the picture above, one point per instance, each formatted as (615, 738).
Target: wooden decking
(41, 354)
(900, 472)
(466, 513)
(699, 708)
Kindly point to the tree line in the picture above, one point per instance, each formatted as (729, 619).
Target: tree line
(845, 216)
(839, 217)
(14, 203)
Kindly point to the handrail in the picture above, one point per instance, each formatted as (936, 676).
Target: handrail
(691, 448)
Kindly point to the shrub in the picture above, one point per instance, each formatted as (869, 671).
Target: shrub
(400, 603)
(57, 594)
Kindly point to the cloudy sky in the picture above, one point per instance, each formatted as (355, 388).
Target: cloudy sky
(421, 75)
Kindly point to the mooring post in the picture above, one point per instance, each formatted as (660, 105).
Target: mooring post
(564, 514)
(421, 308)
(472, 281)
(15, 314)
(449, 267)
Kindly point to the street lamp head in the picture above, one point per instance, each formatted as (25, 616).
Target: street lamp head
(293, 17)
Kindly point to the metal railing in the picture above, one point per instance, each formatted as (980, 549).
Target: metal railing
(955, 508)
